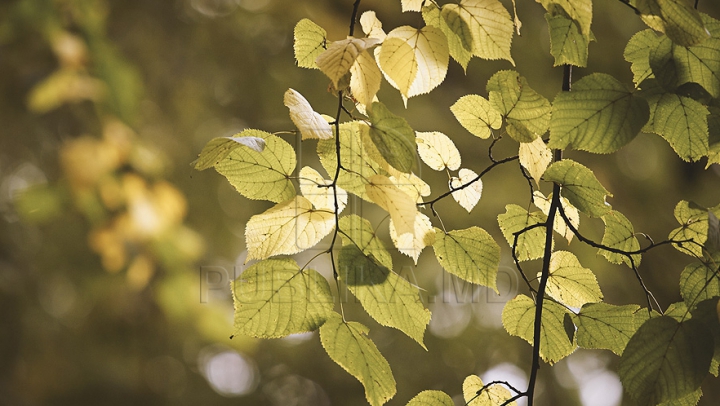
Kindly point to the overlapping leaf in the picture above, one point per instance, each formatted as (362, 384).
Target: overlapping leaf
(365, 78)
(261, 175)
(310, 123)
(412, 244)
(393, 137)
(676, 18)
(358, 231)
(317, 191)
(398, 204)
(491, 396)
(682, 121)
(273, 298)
(470, 254)
(371, 26)
(606, 326)
(477, 115)
(287, 228)
(310, 40)
(339, 57)
(701, 63)
(693, 228)
(218, 148)
(543, 203)
(568, 45)
(535, 156)
(570, 283)
(578, 10)
(600, 115)
(579, 186)
(467, 188)
(437, 151)
(456, 30)
(531, 243)
(700, 281)
(637, 52)
(489, 25)
(526, 111)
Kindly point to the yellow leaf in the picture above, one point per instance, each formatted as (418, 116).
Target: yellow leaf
(412, 244)
(309, 42)
(397, 203)
(411, 5)
(287, 228)
(310, 123)
(371, 26)
(535, 156)
(490, 396)
(365, 78)
(490, 25)
(438, 151)
(336, 61)
(470, 195)
(410, 184)
(316, 190)
(543, 203)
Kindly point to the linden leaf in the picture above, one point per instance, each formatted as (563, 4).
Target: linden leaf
(694, 226)
(699, 281)
(569, 282)
(543, 203)
(310, 123)
(683, 122)
(340, 56)
(467, 188)
(431, 398)
(437, 150)
(491, 396)
(348, 345)
(568, 45)
(700, 63)
(637, 52)
(412, 185)
(535, 156)
(309, 43)
(393, 137)
(371, 26)
(318, 191)
(398, 204)
(274, 298)
(676, 18)
(456, 30)
(411, 5)
(477, 115)
(605, 326)
(518, 318)
(619, 234)
(358, 231)
(287, 228)
(470, 254)
(512, 97)
(489, 25)
(412, 244)
(365, 78)
(531, 243)
(600, 115)
(578, 10)
(261, 175)
(218, 148)
(579, 186)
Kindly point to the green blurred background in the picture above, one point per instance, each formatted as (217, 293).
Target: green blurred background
(115, 253)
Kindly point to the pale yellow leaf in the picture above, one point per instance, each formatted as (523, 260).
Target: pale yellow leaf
(535, 156)
(316, 190)
(438, 151)
(411, 184)
(490, 25)
(287, 228)
(365, 78)
(490, 396)
(469, 195)
(543, 203)
(371, 26)
(310, 123)
(336, 61)
(397, 203)
(412, 244)
(411, 5)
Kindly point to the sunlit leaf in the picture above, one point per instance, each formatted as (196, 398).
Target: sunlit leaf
(701, 63)
(518, 318)
(619, 234)
(287, 228)
(512, 97)
(218, 148)
(637, 52)
(606, 326)
(310, 41)
(531, 243)
(691, 399)
(393, 137)
(470, 254)
(456, 30)
(665, 360)
(543, 203)
(348, 345)
(491, 396)
(431, 398)
(469, 195)
(261, 175)
(682, 121)
(490, 26)
(310, 123)
(412, 244)
(568, 45)
(386, 297)
(578, 10)
(693, 226)
(570, 283)
(316, 190)
(437, 151)
(579, 186)
(700, 281)
(365, 78)
(397, 203)
(411, 5)
(358, 231)
(336, 61)
(600, 115)
(477, 115)
(371, 26)
(412, 185)
(535, 156)
(676, 18)
(273, 298)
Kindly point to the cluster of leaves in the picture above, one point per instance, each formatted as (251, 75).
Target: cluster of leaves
(676, 66)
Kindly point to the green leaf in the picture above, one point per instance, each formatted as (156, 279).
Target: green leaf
(273, 298)
(579, 10)
(336, 61)
(357, 230)
(470, 254)
(693, 226)
(401, 207)
(568, 45)
(637, 52)
(386, 297)
(707, 313)
(511, 95)
(570, 283)
(691, 399)
(600, 115)
(714, 141)
(456, 30)
(579, 186)
(531, 244)
(477, 115)
(219, 148)
(393, 137)
(518, 318)
(701, 63)
(676, 18)
(287, 228)
(682, 121)
(431, 398)
(700, 281)
(490, 26)
(261, 175)
(619, 234)
(310, 41)
(492, 396)
(349, 346)
(665, 360)
(606, 326)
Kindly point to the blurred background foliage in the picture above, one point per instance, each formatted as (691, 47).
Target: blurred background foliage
(114, 253)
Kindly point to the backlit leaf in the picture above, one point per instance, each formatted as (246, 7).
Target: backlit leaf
(393, 137)
(310, 123)
(412, 244)
(273, 298)
(397, 203)
(700, 281)
(676, 18)
(348, 345)
(600, 115)
(490, 25)
(568, 45)
(512, 97)
(261, 175)
(535, 156)
(530, 244)
(682, 121)
(437, 151)
(606, 326)
(469, 195)
(518, 318)
(693, 226)
(570, 283)
(411, 184)
(371, 26)
(411, 5)
(218, 148)
(336, 61)
(477, 115)
(287, 228)
(357, 230)
(491, 396)
(619, 234)
(543, 203)
(579, 186)
(310, 41)
(470, 254)
(456, 30)
(701, 63)
(637, 52)
(316, 190)
(578, 10)
(365, 78)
